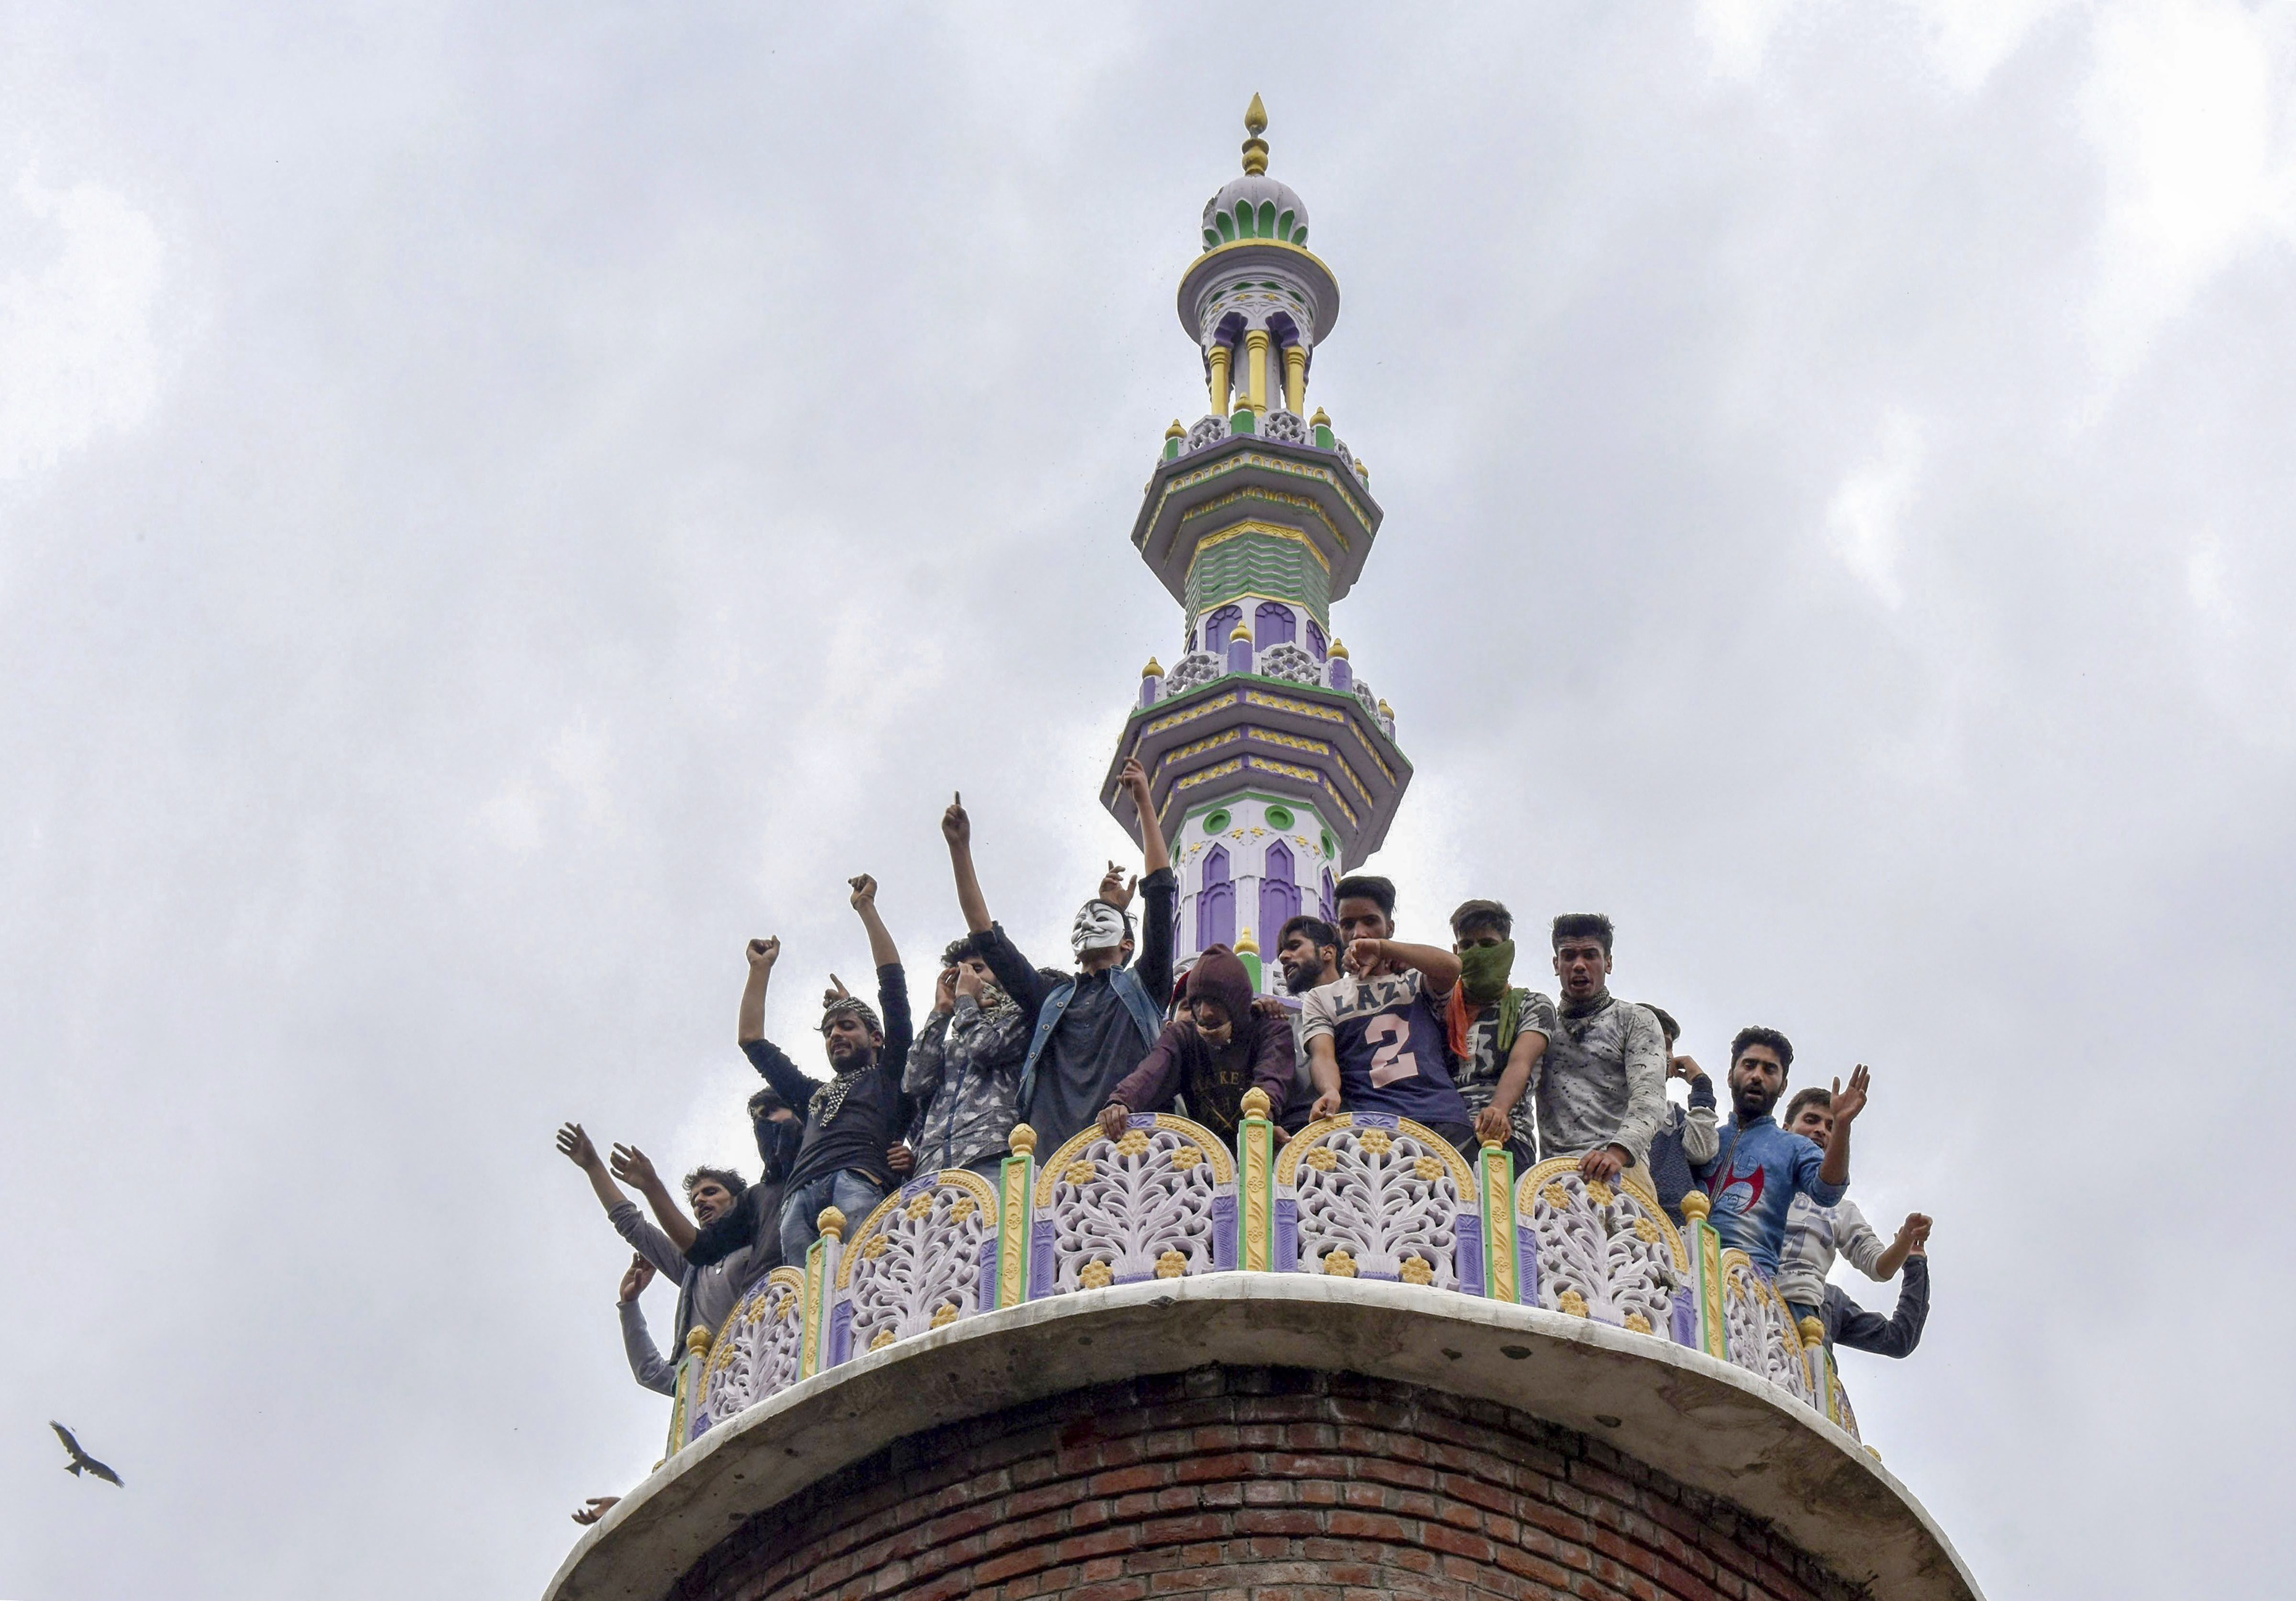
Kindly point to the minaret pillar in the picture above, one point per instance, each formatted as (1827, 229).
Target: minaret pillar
(1295, 379)
(1221, 355)
(1255, 367)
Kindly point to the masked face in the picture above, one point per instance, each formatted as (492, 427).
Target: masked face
(1099, 926)
(1485, 963)
(1212, 1022)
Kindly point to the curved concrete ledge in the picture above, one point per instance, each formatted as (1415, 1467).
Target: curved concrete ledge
(1701, 1422)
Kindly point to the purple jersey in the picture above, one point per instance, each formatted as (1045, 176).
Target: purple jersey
(1392, 1050)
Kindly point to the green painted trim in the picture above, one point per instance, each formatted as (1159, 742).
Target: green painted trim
(1205, 808)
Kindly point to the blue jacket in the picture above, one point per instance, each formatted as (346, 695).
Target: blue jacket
(1752, 1181)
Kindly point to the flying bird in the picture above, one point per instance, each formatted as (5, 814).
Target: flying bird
(81, 1462)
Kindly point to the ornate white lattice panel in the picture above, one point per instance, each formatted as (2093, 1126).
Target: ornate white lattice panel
(1208, 431)
(1291, 662)
(1602, 1251)
(1196, 667)
(1761, 1332)
(1367, 1196)
(756, 1352)
(1289, 427)
(915, 1264)
(1159, 1203)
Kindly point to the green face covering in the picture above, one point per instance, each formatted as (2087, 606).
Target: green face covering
(1484, 970)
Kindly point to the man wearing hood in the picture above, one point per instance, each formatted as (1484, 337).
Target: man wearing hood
(1601, 1088)
(965, 1070)
(1497, 1034)
(847, 1156)
(1087, 1030)
(1217, 1048)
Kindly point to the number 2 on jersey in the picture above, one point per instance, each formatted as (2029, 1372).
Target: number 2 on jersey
(1389, 1062)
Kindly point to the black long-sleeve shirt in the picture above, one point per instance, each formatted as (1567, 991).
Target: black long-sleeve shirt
(1847, 1323)
(875, 1113)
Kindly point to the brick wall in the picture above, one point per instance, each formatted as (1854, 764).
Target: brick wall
(1277, 1484)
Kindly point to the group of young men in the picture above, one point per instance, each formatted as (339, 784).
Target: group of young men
(1369, 1024)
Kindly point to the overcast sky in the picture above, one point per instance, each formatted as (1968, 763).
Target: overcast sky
(499, 505)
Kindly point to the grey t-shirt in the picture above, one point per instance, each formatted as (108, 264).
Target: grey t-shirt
(1478, 1076)
(1602, 1081)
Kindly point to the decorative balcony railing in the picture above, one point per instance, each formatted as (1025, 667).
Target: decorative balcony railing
(1285, 428)
(1359, 1196)
(1284, 660)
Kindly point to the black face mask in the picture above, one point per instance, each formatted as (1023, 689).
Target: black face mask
(777, 1143)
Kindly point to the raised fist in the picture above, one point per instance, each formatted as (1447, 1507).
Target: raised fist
(955, 826)
(763, 954)
(864, 891)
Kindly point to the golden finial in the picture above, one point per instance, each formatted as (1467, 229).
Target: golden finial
(1362, 469)
(697, 1340)
(1387, 711)
(1322, 419)
(1155, 669)
(1022, 1140)
(1813, 1332)
(1695, 1206)
(1245, 945)
(1175, 432)
(831, 1222)
(1242, 633)
(1255, 1102)
(1255, 149)
(1339, 650)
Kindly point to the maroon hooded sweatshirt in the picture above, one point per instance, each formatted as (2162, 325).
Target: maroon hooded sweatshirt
(1258, 1051)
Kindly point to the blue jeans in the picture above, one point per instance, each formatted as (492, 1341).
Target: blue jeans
(854, 1194)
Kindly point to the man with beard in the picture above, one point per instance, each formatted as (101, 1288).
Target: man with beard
(1377, 1036)
(965, 1070)
(1760, 1168)
(1220, 1048)
(1816, 1234)
(1307, 950)
(1089, 1031)
(1601, 1088)
(847, 1156)
(706, 1292)
(1497, 1034)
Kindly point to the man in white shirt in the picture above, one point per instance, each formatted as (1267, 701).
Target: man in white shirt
(1816, 1234)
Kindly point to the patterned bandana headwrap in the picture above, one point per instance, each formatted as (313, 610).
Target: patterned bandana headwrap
(1098, 925)
(829, 1098)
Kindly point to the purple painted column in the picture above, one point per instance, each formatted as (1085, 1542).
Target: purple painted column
(1239, 650)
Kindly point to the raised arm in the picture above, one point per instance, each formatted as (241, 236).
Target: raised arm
(882, 952)
(956, 828)
(1847, 1104)
(762, 954)
(575, 1146)
(646, 1364)
(632, 1167)
(1155, 854)
(1701, 1140)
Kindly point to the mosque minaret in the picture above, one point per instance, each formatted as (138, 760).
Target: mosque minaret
(1273, 766)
